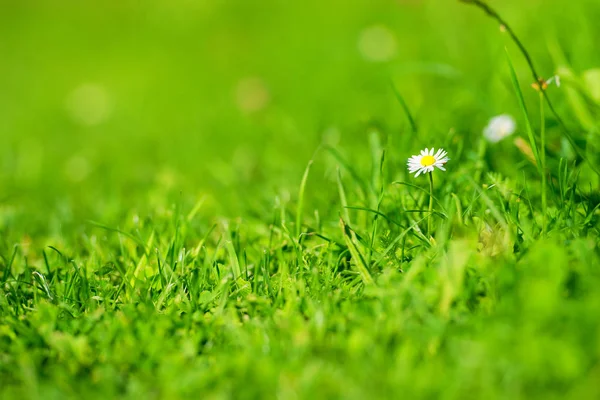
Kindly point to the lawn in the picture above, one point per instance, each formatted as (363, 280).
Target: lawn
(211, 199)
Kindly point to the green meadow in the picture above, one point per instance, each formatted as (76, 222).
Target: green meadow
(210, 199)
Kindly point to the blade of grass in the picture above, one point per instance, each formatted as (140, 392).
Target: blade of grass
(355, 176)
(523, 108)
(543, 166)
(233, 258)
(342, 194)
(361, 264)
(8, 268)
(300, 208)
(402, 102)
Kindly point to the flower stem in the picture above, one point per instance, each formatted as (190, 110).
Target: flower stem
(543, 162)
(430, 204)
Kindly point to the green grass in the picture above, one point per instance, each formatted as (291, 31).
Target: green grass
(211, 200)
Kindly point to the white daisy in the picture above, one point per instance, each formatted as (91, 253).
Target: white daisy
(427, 161)
(499, 127)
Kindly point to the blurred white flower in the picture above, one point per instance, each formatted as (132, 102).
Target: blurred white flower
(427, 161)
(499, 127)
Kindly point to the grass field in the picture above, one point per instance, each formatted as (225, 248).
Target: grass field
(210, 199)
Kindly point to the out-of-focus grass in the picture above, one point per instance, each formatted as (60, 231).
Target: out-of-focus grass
(173, 80)
(128, 130)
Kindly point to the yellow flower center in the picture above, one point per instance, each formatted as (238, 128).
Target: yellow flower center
(427, 161)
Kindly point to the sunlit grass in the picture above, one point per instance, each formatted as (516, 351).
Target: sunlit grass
(247, 228)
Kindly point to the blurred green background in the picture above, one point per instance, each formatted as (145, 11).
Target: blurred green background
(106, 104)
(138, 114)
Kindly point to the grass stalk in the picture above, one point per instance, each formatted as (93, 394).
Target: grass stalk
(480, 159)
(543, 162)
(523, 107)
(300, 208)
